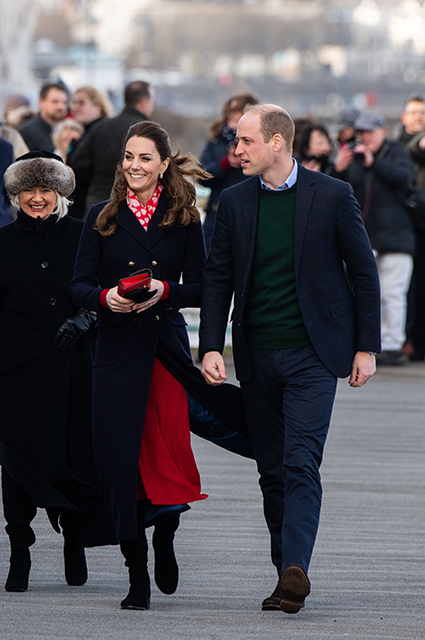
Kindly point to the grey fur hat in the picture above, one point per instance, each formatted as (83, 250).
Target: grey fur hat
(39, 169)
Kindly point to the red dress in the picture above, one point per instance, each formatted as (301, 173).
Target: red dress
(167, 467)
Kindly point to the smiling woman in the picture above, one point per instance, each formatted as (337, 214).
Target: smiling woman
(143, 367)
(45, 427)
(38, 202)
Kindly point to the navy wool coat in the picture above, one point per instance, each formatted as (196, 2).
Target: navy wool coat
(128, 343)
(335, 272)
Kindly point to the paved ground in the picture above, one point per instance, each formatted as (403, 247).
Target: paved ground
(368, 568)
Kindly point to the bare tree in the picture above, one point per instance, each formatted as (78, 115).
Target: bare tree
(18, 20)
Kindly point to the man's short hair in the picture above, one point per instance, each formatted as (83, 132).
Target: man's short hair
(136, 91)
(52, 85)
(416, 97)
(274, 119)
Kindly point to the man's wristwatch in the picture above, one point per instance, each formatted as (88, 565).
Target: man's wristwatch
(371, 353)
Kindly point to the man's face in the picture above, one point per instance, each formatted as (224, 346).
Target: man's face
(148, 104)
(256, 155)
(373, 139)
(413, 117)
(54, 106)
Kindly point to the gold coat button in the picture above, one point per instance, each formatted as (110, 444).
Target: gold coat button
(156, 318)
(154, 263)
(131, 263)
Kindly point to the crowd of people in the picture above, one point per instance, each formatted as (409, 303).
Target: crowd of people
(313, 232)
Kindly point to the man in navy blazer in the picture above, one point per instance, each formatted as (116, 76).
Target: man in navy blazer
(291, 247)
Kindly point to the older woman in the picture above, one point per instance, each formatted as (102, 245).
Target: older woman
(143, 367)
(45, 373)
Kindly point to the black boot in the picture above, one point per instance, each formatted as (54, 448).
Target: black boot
(135, 553)
(20, 564)
(166, 567)
(73, 553)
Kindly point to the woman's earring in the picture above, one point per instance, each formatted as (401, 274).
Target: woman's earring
(161, 175)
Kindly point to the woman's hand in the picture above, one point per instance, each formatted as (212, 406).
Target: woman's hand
(155, 284)
(118, 304)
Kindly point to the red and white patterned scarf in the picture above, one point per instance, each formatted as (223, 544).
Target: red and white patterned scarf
(143, 213)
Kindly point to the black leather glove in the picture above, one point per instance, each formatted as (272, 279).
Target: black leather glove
(73, 328)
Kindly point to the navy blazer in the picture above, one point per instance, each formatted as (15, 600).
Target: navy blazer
(335, 272)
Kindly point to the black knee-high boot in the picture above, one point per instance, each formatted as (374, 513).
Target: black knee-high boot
(166, 567)
(135, 553)
(73, 552)
(19, 511)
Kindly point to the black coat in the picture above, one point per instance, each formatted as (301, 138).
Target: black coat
(98, 154)
(78, 198)
(341, 314)
(6, 158)
(37, 134)
(382, 191)
(45, 394)
(128, 343)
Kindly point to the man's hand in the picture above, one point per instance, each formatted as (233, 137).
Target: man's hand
(343, 159)
(364, 366)
(213, 368)
(366, 153)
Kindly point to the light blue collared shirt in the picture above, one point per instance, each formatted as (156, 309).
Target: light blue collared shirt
(291, 180)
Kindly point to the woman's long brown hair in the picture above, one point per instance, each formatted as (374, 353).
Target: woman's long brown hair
(178, 189)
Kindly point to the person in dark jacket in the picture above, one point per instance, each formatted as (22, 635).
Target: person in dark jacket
(89, 107)
(46, 348)
(381, 173)
(6, 159)
(218, 157)
(412, 139)
(53, 107)
(97, 155)
(143, 367)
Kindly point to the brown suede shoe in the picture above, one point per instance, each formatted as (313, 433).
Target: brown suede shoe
(272, 603)
(295, 587)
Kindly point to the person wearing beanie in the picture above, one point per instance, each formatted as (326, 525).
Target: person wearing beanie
(46, 344)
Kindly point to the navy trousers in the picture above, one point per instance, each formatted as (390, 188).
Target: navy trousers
(288, 403)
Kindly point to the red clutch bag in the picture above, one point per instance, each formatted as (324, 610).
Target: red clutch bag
(136, 286)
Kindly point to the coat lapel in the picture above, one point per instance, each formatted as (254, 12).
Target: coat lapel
(128, 221)
(305, 193)
(248, 207)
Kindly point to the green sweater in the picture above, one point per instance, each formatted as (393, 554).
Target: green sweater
(272, 317)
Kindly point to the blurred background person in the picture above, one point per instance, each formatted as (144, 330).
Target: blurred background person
(96, 157)
(300, 124)
(67, 131)
(412, 139)
(12, 102)
(381, 173)
(53, 107)
(46, 347)
(218, 157)
(13, 136)
(316, 149)
(6, 159)
(343, 125)
(89, 108)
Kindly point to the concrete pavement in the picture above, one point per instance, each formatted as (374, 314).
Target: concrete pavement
(368, 568)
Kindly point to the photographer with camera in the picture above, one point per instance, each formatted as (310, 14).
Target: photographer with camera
(412, 139)
(381, 173)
